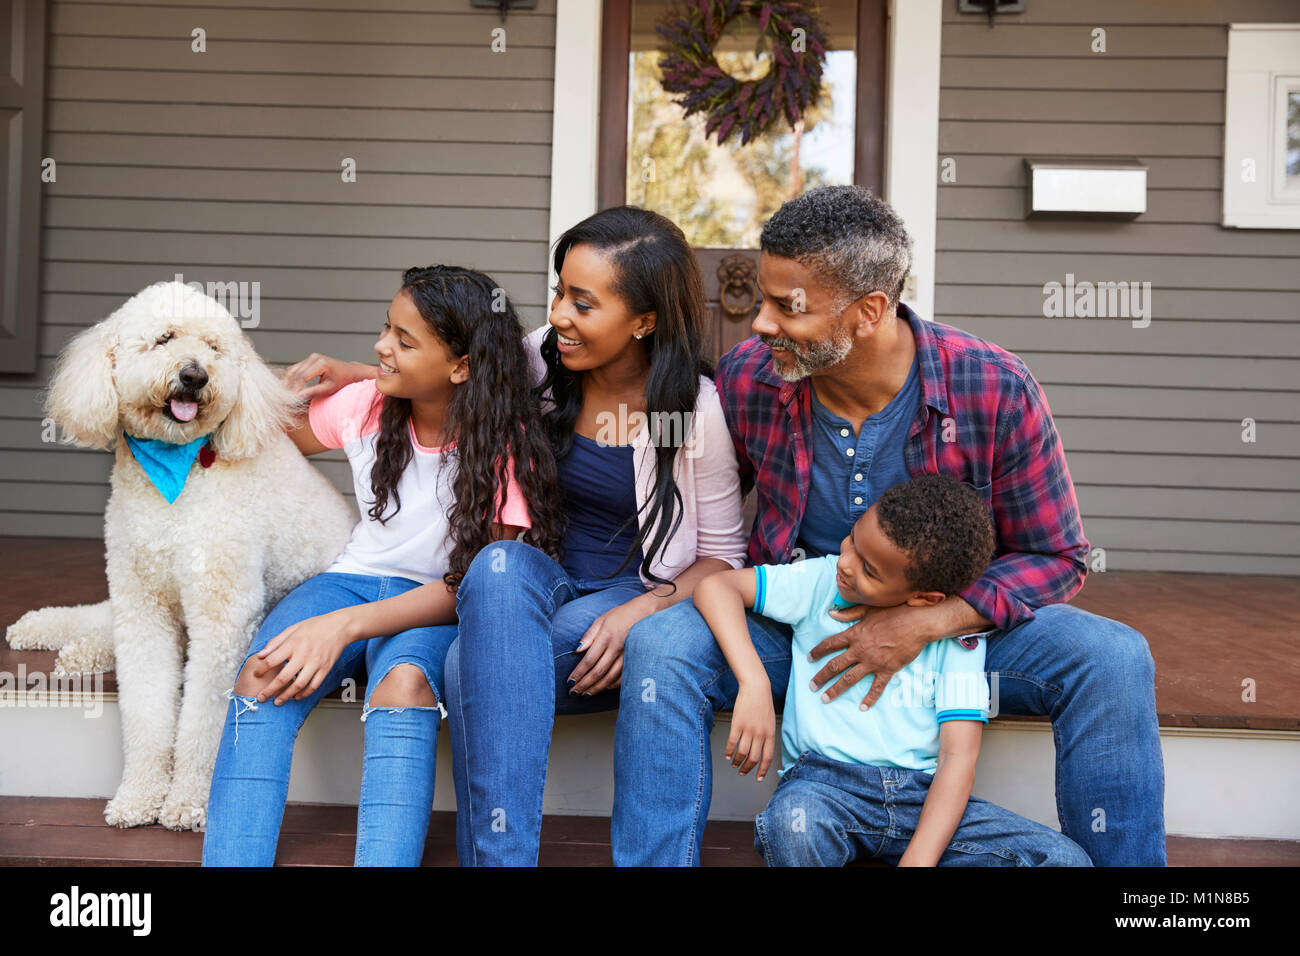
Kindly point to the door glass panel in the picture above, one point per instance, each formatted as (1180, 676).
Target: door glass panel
(722, 195)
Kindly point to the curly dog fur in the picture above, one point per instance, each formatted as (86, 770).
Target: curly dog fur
(188, 582)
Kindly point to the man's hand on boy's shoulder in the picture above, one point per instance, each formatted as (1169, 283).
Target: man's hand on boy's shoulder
(883, 642)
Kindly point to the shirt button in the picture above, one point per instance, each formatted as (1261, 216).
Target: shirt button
(844, 433)
(857, 501)
(849, 453)
(858, 476)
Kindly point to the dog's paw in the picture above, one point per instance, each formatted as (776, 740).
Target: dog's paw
(183, 811)
(84, 657)
(132, 808)
(35, 630)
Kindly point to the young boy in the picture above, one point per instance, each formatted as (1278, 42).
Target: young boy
(894, 782)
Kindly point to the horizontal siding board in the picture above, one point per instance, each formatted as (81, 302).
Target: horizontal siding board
(296, 155)
(275, 315)
(1163, 173)
(972, 37)
(1180, 471)
(1110, 13)
(305, 57)
(324, 186)
(1162, 337)
(1141, 139)
(1200, 74)
(1276, 273)
(458, 26)
(256, 253)
(1137, 401)
(1119, 501)
(1088, 106)
(1132, 560)
(436, 123)
(1222, 438)
(198, 217)
(1109, 237)
(82, 466)
(954, 300)
(364, 285)
(381, 92)
(1211, 373)
(544, 7)
(1224, 537)
(990, 203)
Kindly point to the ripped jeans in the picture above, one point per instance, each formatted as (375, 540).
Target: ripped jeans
(250, 782)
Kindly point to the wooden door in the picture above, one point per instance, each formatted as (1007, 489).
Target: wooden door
(722, 214)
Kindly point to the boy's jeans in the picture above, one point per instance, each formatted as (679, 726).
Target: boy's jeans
(251, 780)
(1092, 676)
(827, 812)
(521, 615)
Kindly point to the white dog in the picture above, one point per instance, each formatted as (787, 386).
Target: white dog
(188, 581)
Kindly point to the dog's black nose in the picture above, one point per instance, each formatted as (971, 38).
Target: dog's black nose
(193, 377)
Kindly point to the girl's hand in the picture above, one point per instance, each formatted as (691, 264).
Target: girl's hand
(333, 373)
(601, 647)
(309, 650)
(753, 730)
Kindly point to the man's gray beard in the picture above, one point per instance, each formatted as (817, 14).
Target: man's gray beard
(818, 358)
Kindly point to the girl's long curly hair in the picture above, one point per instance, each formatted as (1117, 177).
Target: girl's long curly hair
(493, 418)
(654, 271)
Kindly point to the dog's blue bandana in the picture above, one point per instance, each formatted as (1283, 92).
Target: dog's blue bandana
(167, 465)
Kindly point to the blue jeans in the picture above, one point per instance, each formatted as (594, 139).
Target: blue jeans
(520, 617)
(250, 782)
(827, 812)
(1092, 676)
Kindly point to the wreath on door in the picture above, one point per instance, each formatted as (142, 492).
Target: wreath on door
(749, 107)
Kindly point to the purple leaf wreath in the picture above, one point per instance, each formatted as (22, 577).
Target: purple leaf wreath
(748, 107)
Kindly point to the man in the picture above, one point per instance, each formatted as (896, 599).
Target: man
(843, 392)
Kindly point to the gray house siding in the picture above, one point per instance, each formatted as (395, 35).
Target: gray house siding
(226, 166)
(1151, 418)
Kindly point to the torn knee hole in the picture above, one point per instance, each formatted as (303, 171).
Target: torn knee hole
(404, 686)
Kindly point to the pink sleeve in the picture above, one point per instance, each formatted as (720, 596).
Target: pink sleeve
(515, 511)
(348, 414)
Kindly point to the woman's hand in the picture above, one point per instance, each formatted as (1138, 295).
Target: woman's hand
(309, 650)
(753, 729)
(601, 647)
(333, 373)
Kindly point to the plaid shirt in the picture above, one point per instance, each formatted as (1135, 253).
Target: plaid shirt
(983, 419)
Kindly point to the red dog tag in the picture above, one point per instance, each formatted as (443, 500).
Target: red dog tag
(207, 456)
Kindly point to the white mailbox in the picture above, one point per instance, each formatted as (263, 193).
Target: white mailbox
(1085, 188)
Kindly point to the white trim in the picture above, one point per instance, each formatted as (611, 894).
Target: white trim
(912, 136)
(911, 126)
(1263, 63)
(575, 119)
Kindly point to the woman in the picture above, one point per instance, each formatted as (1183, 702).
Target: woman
(649, 482)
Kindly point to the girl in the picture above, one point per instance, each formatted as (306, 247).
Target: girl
(433, 440)
(651, 492)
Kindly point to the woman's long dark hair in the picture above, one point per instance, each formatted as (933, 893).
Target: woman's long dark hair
(493, 418)
(654, 271)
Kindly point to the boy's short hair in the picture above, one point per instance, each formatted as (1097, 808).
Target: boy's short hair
(943, 525)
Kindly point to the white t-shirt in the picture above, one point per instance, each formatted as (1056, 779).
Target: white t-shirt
(415, 542)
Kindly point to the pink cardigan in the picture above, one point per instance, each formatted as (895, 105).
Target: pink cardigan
(707, 476)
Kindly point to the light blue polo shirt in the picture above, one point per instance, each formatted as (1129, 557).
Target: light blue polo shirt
(945, 682)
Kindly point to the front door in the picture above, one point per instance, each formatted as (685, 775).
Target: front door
(652, 155)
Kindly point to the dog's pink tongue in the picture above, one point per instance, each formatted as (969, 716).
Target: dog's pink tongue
(185, 411)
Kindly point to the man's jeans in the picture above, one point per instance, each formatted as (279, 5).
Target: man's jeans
(1093, 677)
(827, 812)
(520, 617)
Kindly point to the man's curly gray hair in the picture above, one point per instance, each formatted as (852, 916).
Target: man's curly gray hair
(852, 241)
